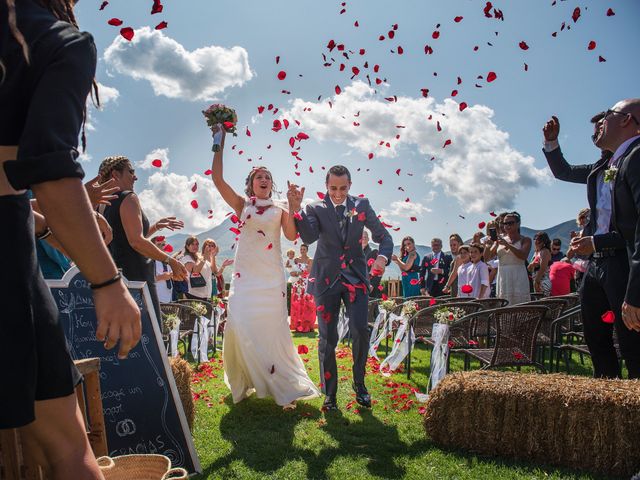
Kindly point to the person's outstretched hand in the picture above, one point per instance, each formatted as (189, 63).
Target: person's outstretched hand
(551, 129)
(178, 270)
(101, 193)
(118, 318)
(169, 222)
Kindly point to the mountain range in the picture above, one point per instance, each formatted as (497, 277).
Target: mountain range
(225, 239)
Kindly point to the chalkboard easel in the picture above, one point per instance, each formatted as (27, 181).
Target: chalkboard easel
(140, 401)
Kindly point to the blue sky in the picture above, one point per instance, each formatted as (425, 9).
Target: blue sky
(494, 161)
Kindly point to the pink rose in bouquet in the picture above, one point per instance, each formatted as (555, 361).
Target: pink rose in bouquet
(220, 116)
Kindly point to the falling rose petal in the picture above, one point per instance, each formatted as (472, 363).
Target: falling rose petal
(194, 203)
(414, 281)
(523, 45)
(168, 248)
(493, 214)
(608, 317)
(127, 33)
(248, 132)
(277, 59)
(432, 302)
(526, 67)
(457, 19)
(413, 219)
(370, 156)
(302, 136)
(466, 289)
(446, 143)
(592, 45)
(435, 35)
(462, 106)
(400, 50)
(338, 90)
(356, 24)
(105, 3)
(282, 75)
(269, 247)
(194, 187)
(491, 76)
(157, 7)
(320, 195)
(260, 109)
(454, 93)
(157, 163)
(576, 14)
(235, 230)
(601, 59)
(161, 26)
(115, 22)
(481, 225)
(273, 369)
(398, 171)
(610, 13)
(428, 50)
(208, 172)
(303, 349)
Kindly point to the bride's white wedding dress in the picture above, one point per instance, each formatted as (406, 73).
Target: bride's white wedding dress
(259, 355)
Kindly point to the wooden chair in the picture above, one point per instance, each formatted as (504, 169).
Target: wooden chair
(516, 333)
(422, 325)
(188, 322)
(491, 303)
(556, 307)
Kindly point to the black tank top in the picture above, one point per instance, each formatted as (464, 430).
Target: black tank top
(134, 266)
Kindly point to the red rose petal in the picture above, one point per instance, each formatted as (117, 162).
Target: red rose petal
(269, 247)
(161, 26)
(338, 90)
(414, 281)
(457, 19)
(592, 45)
(601, 59)
(435, 35)
(195, 187)
(432, 302)
(115, 22)
(303, 349)
(273, 369)
(608, 317)
(320, 195)
(481, 225)
(523, 45)
(157, 163)
(282, 75)
(413, 219)
(491, 76)
(466, 288)
(447, 143)
(227, 125)
(168, 248)
(105, 3)
(194, 203)
(127, 33)
(462, 106)
(576, 14)
(610, 13)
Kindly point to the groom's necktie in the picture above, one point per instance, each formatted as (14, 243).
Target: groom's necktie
(342, 221)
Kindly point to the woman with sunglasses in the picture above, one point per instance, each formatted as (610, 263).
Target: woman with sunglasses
(512, 250)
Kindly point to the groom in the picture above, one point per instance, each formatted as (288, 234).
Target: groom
(339, 273)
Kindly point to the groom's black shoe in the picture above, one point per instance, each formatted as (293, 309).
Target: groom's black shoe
(362, 395)
(330, 403)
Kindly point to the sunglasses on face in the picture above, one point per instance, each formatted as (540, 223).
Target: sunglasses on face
(510, 222)
(617, 112)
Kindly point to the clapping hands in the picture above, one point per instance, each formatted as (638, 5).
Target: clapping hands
(170, 223)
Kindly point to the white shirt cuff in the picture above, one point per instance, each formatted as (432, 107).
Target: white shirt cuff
(551, 146)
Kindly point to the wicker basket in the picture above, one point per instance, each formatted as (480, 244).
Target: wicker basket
(140, 467)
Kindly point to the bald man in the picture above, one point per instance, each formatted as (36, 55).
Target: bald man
(611, 239)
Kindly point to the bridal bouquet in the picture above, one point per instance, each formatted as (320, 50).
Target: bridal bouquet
(218, 114)
(448, 314)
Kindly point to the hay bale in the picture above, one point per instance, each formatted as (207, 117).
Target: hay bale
(576, 422)
(182, 374)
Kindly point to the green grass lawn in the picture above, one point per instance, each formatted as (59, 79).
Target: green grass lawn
(257, 439)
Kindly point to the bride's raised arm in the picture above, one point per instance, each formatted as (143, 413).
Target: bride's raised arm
(229, 195)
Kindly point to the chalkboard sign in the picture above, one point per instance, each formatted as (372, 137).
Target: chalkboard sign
(142, 409)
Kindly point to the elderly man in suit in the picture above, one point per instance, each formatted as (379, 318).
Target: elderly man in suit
(339, 273)
(612, 237)
(434, 270)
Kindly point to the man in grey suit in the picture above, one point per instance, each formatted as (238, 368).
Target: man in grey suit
(609, 237)
(339, 273)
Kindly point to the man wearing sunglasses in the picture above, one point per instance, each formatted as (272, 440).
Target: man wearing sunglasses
(612, 237)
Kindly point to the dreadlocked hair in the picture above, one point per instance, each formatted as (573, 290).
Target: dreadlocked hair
(111, 164)
(63, 10)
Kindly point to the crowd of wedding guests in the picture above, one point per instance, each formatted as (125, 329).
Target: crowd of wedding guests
(496, 262)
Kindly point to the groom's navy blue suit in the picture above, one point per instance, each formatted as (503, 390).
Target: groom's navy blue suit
(339, 265)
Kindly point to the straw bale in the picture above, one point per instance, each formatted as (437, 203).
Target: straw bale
(182, 374)
(576, 422)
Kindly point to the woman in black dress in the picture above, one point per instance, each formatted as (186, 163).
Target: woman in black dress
(131, 248)
(47, 68)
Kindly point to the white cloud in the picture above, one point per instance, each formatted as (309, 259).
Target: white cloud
(170, 194)
(84, 157)
(160, 154)
(176, 72)
(107, 94)
(480, 168)
(404, 210)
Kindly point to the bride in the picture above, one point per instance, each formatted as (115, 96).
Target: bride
(259, 355)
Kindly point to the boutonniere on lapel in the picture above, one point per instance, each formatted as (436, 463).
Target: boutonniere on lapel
(610, 174)
(352, 213)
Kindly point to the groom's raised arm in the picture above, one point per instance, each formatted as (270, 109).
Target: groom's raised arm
(379, 234)
(307, 225)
